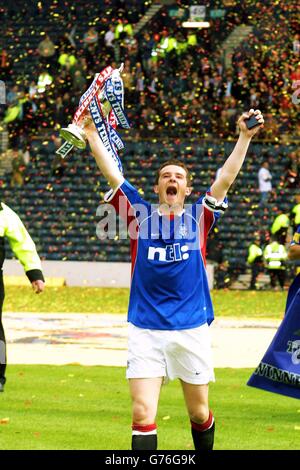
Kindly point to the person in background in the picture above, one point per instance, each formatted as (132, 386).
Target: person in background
(294, 249)
(47, 52)
(255, 260)
(275, 256)
(264, 183)
(18, 168)
(295, 214)
(12, 228)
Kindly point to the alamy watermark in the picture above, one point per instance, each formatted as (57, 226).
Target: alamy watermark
(144, 221)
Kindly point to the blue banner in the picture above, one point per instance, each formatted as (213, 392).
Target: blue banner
(103, 130)
(114, 93)
(279, 369)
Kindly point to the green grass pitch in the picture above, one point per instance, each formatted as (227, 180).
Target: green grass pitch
(75, 407)
(227, 303)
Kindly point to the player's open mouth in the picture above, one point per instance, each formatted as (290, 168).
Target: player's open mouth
(171, 191)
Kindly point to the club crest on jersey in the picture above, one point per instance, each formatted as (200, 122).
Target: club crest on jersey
(169, 253)
(183, 231)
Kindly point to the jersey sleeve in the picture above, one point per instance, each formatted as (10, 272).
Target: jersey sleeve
(129, 204)
(211, 216)
(206, 219)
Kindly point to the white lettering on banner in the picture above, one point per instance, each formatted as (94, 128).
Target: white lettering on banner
(97, 118)
(117, 87)
(172, 252)
(102, 130)
(92, 91)
(113, 92)
(104, 137)
(296, 352)
(120, 114)
(116, 139)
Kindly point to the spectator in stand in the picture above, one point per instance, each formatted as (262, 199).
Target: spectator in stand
(255, 260)
(294, 250)
(263, 68)
(79, 82)
(146, 48)
(123, 29)
(5, 66)
(275, 256)
(214, 254)
(264, 183)
(296, 44)
(91, 37)
(228, 85)
(18, 168)
(12, 95)
(32, 89)
(109, 37)
(279, 228)
(59, 111)
(295, 214)
(47, 51)
(291, 178)
(46, 48)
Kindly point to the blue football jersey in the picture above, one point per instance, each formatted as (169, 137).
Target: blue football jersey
(169, 287)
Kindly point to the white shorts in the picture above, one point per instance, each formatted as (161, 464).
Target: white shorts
(183, 354)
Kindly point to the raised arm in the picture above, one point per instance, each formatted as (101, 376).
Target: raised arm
(105, 162)
(235, 161)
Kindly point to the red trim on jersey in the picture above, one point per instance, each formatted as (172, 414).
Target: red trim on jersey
(131, 221)
(208, 222)
(204, 426)
(144, 427)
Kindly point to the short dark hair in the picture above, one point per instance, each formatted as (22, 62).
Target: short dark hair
(175, 162)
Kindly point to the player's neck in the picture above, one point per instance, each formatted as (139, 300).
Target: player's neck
(166, 210)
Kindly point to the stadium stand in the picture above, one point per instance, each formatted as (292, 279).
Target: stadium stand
(182, 101)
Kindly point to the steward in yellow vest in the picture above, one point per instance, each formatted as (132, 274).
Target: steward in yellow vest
(280, 227)
(255, 260)
(24, 248)
(275, 256)
(295, 214)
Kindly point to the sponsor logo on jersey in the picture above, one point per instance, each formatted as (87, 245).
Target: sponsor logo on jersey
(169, 253)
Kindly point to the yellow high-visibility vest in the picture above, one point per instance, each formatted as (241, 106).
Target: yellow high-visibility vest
(19, 239)
(253, 253)
(296, 211)
(275, 254)
(282, 220)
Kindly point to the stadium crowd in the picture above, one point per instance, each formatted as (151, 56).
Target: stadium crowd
(175, 79)
(177, 87)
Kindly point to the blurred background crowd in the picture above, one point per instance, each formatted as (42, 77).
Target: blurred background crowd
(177, 79)
(184, 89)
